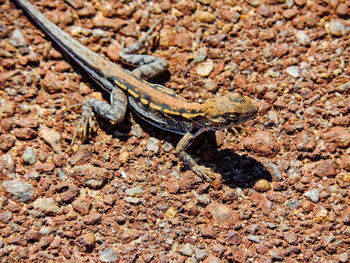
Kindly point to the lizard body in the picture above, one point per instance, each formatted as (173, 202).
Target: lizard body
(154, 103)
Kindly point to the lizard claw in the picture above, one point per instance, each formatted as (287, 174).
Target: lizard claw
(86, 122)
(204, 172)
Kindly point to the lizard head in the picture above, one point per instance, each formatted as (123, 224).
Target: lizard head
(229, 110)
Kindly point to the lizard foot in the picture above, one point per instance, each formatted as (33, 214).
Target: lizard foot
(86, 122)
(204, 172)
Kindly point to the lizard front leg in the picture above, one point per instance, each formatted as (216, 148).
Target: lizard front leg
(115, 111)
(183, 144)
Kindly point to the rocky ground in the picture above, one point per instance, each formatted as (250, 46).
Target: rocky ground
(282, 192)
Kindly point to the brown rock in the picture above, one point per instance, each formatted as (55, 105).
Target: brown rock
(25, 133)
(112, 23)
(305, 141)
(268, 34)
(92, 219)
(220, 215)
(282, 50)
(233, 238)
(262, 143)
(328, 168)
(343, 9)
(88, 240)
(6, 124)
(212, 259)
(112, 53)
(205, 17)
(33, 236)
(188, 180)
(339, 136)
(291, 238)
(264, 10)
(261, 249)
(82, 206)
(300, 2)
(290, 13)
(236, 254)
(172, 185)
(311, 19)
(70, 194)
(54, 83)
(27, 123)
(7, 107)
(186, 6)
(62, 66)
(5, 216)
(207, 232)
(345, 162)
(109, 199)
(345, 215)
(214, 40)
(7, 141)
(169, 37)
(43, 167)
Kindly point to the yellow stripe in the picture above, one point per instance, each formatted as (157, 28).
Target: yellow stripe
(167, 111)
(144, 101)
(133, 93)
(154, 106)
(120, 85)
(164, 89)
(190, 115)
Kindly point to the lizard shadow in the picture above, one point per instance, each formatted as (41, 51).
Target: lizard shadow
(236, 170)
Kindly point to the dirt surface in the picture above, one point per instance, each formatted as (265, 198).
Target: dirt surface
(282, 192)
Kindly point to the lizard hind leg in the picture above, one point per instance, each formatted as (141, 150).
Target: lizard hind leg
(114, 112)
(148, 66)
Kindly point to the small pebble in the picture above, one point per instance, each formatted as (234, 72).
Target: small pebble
(205, 68)
(200, 55)
(167, 147)
(124, 157)
(253, 238)
(200, 254)
(132, 200)
(293, 71)
(271, 225)
(220, 215)
(20, 191)
(313, 194)
(186, 250)
(29, 156)
(45, 230)
(108, 255)
(95, 183)
(82, 206)
(170, 213)
(337, 28)
(136, 130)
(5, 216)
(153, 145)
(262, 185)
(343, 258)
(51, 137)
(134, 191)
(47, 205)
(205, 17)
(17, 38)
(302, 38)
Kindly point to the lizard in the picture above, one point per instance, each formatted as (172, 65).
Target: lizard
(154, 103)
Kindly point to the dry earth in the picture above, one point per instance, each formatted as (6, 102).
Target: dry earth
(282, 192)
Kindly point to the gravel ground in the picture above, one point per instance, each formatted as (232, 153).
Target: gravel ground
(282, 192)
